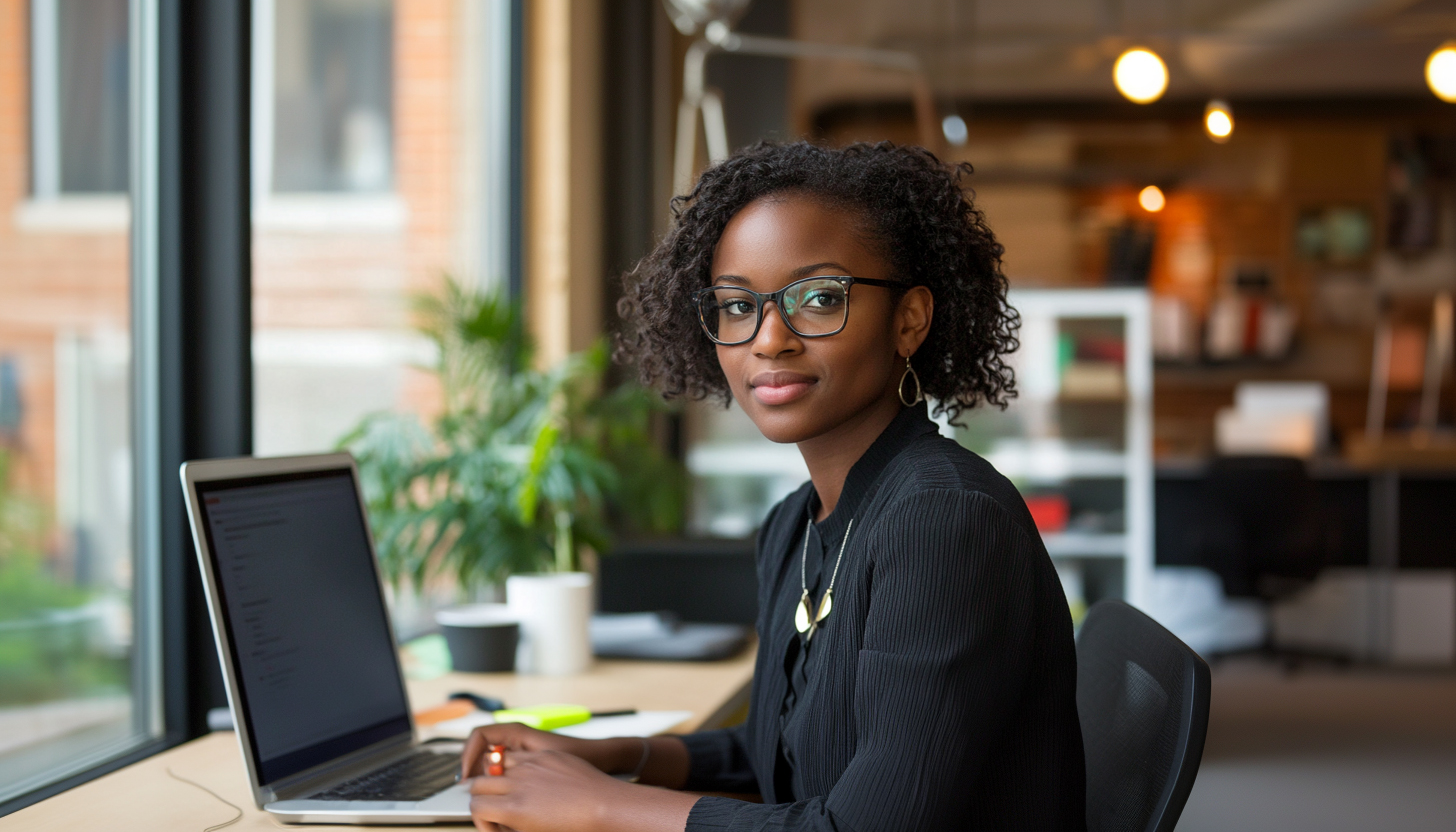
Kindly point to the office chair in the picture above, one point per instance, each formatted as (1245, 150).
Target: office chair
(1142, 696)
(1272, 536)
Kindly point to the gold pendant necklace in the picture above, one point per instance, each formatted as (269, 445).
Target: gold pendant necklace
(806, 620)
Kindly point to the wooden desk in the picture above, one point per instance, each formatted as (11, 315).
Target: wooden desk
(143, 797)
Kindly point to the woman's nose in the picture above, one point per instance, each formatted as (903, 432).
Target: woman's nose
(774, 336)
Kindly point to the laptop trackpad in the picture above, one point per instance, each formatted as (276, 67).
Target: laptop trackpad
(454, 801)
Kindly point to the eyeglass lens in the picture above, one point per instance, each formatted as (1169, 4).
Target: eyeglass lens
(811, 307)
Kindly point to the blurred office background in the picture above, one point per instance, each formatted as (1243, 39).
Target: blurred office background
(1237, 407)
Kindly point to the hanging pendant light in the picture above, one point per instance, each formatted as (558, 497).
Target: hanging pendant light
(1140, 75)
(1441, 72)
(1151, 199)
(1218, 120)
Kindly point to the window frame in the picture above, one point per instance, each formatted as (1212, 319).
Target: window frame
(45, 100)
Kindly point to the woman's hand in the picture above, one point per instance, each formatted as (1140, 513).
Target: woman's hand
(603, 754)
(542, 791)
(556, 791)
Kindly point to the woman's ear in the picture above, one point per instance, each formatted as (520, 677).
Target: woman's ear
(912, 320)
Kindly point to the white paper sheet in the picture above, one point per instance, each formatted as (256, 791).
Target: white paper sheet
(640, 724)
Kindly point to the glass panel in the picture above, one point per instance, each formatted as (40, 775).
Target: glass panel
(333, 77)
(335, 273)
(93, 64)
(69, 695)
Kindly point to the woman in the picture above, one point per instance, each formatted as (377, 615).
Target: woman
(915, 666)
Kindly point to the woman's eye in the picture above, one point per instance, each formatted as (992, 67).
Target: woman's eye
(823, 299)
(737, 307)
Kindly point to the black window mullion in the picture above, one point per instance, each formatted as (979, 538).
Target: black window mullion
(206, 311)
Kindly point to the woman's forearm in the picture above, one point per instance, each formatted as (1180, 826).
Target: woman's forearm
(647, 810)
(666, 765)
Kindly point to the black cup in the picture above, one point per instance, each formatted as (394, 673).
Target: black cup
(482, 648)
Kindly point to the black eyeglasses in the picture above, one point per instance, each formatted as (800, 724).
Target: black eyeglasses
(815, 307)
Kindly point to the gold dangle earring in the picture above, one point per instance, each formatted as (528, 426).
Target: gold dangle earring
(910, 373)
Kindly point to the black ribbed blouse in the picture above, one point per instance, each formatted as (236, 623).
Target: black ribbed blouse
(939, 694)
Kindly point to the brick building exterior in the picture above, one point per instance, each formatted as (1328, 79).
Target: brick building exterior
(332, 275)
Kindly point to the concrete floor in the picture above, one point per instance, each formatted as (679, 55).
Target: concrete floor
(1326, 748)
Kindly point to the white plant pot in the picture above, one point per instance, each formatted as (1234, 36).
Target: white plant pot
(555, 613)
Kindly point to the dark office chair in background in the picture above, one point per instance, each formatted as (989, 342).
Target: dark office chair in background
(1269, 539)
(1142, 696)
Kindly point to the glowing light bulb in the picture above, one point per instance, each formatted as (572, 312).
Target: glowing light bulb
(1441, 72)
(1152, 199)
(1218, 120)
(1140, 75)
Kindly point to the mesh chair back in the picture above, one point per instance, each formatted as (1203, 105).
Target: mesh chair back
(1142, 696)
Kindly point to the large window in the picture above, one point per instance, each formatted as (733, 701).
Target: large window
(381, 159)
(379, 167)
(77, 676)
(379, 154)
(382, 147)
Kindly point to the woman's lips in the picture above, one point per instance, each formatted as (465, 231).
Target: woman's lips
(779, 386)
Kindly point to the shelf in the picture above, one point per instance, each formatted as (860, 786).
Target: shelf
(746, 459)
(1034, 461)
(1055, 462)
(1085, 544)
(1098, 381)
(1081, 430)
(1340, 360)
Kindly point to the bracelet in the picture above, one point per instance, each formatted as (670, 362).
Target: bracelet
(642, 763)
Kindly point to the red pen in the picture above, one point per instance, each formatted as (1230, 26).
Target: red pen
(496, 760)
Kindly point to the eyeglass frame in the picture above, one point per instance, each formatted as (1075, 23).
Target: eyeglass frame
(762, 300)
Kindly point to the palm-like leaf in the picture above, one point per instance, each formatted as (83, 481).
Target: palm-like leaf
(477, 493)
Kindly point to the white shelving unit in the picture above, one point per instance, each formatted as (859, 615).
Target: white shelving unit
(1081, 431)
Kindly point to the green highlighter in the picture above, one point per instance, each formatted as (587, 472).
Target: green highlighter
(545, 717)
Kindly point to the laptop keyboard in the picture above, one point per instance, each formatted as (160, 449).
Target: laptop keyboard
(416, 777)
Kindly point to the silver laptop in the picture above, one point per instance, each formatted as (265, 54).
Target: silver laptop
(307, 649)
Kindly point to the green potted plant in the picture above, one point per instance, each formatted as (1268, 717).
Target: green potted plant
(520, 470)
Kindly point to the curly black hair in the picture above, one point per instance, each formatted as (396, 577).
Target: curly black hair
(915, 210)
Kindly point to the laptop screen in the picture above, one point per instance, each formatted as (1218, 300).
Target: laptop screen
(316, 671)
